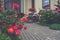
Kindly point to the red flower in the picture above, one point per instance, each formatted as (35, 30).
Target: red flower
(56, 8)
(11, 16)
(21, 26)
(25, 19)
(15, 5)
(18, 32)
(25, 27)
(0, 9)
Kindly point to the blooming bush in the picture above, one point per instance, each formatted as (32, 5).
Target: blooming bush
(50, 18)
(11, 23)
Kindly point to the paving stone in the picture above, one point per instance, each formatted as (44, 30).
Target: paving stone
(38, 32)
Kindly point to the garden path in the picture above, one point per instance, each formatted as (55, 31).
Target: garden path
(38, 32)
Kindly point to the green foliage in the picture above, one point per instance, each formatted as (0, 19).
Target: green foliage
(57, 18)
(49, 18)
(54, 26)
(4, 36)
(46, 17)
(30, 17)
(5, 17)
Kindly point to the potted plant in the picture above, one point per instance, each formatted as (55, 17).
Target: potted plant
(32, 10)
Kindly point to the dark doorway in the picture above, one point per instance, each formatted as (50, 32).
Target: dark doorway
(8, 4)
(33, 3)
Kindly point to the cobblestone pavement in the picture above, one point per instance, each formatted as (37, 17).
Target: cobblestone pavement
(37, 32)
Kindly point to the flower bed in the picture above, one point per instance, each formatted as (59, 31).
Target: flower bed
(11, 24)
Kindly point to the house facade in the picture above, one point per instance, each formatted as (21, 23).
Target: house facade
(24, 5)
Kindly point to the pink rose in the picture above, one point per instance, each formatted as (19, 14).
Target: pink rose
(15, 27)
(18, 32)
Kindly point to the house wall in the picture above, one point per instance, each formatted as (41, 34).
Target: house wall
(38, 5)
(27, 5)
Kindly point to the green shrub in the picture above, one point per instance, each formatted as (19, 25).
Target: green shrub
(48, 17)
(54, 26)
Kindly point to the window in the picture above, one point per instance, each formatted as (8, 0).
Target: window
(22, 6)
(45, 3)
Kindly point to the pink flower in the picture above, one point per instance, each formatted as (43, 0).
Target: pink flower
(25, 27)
(11, 16)
(16, 5)
(0, 9)
(56, 11)
(25, 19)
(15, 27)
(18, 32)
(21, 26)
